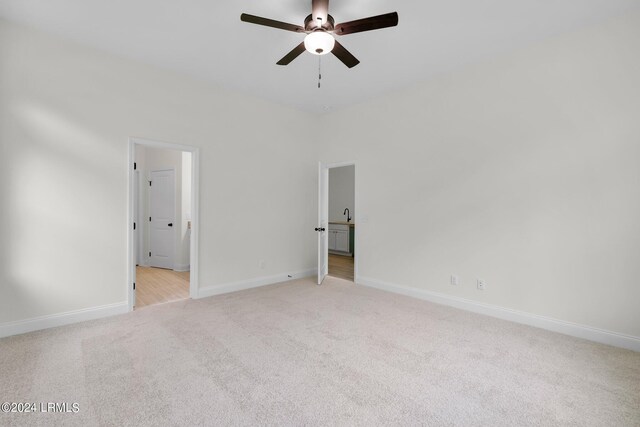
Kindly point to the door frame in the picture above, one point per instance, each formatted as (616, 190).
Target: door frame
(195, 217)
(139, 255)
(357, 221)
(137, 250)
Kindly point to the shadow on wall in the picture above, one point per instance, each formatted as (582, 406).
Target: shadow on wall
(51, 225)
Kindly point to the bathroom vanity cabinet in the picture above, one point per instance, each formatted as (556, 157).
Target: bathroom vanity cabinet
(340, 237)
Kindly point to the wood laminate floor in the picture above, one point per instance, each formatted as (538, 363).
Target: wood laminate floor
(157, 285)
(341, 266)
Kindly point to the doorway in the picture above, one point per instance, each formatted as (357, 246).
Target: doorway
(337, 253)
(163, 236)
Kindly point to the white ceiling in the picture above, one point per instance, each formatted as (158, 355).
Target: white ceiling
(206, 39)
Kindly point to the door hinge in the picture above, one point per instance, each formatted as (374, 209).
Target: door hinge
(135, 166)
(149, 254)
(149, 183)
(149, 218)
(134, 225)
(134, 286)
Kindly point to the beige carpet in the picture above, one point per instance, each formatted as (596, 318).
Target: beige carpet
(300, 354)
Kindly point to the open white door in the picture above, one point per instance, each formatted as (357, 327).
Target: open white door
(323, 221)
(162, 208)
(136, 232)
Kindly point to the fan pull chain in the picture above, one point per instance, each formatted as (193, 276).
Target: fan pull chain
(319, 70)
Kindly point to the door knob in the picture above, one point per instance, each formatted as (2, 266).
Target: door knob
(320, 229)
(170, 224)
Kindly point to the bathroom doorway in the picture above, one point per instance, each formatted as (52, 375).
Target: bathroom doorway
(341, 244)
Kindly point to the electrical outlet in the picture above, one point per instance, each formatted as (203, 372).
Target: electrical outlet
(262, 264)
(481, 285)
(455, 280)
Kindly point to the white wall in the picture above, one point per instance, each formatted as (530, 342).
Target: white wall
(523, 170)
(66, 113)
(341, 192)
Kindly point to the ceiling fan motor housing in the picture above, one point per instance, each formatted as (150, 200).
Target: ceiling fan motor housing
(310, 25)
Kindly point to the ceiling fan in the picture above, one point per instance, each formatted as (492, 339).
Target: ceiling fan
(321, 28)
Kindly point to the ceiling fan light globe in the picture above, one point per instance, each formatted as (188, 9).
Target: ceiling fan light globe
(319, 42)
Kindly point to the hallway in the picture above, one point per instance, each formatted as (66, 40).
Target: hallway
(157, 286)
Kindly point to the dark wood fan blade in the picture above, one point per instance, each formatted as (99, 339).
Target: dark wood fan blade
(367, 24)
(271, 23)
(344, 55)
(320, 9)
(292, 55)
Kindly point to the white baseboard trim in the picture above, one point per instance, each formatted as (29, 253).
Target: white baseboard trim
(182, 267)
(60, 319)
(253, 283)
(568, 328)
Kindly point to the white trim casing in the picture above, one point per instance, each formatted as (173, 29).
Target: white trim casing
(61, 319)
(254, 283)
(195, 224)
(568, 328)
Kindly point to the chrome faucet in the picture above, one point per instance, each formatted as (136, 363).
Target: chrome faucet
(347, 213)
